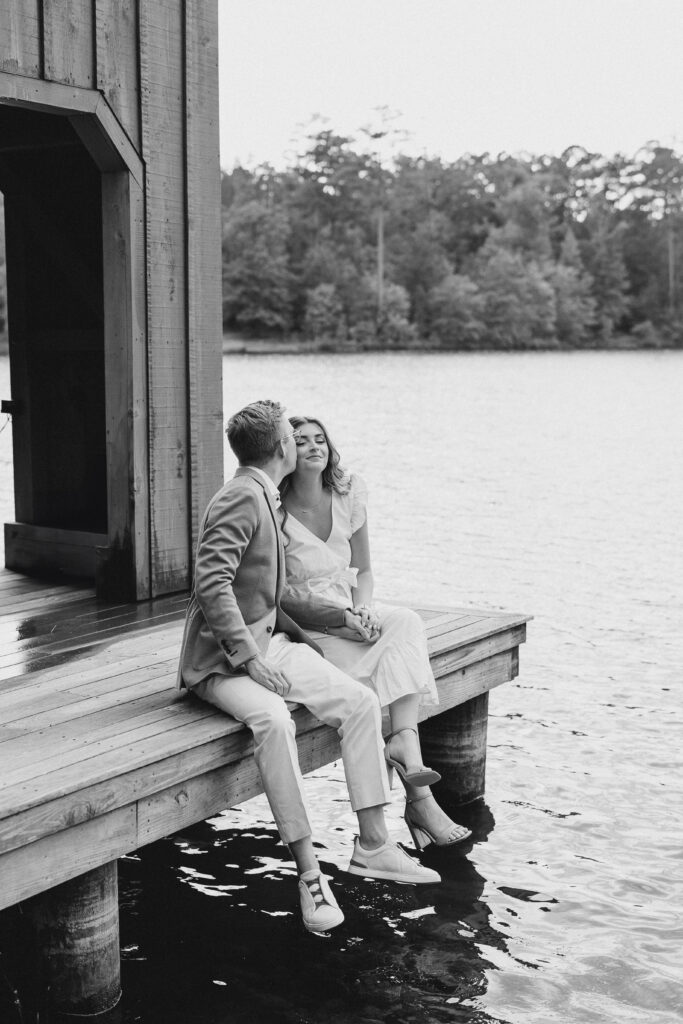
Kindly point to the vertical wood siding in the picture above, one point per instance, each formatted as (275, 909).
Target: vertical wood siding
(68, 27)
(204, 258)
(126, 568)
(163, 146)
(118, 71)
(20, 37)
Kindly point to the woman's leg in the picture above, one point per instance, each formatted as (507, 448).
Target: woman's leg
(404, 746)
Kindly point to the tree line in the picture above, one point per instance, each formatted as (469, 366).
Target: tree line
(505, 252)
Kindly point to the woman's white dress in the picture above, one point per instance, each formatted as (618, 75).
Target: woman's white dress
(398, 663)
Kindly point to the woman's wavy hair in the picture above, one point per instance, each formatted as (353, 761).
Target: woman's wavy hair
(334, 476)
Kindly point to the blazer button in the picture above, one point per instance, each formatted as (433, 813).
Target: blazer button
(269, 629)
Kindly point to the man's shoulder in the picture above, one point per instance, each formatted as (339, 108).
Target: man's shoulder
(240, 491)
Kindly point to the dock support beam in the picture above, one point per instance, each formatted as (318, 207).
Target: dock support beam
(454, 744)
(77, 929)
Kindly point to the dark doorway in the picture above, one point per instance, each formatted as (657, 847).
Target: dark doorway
(55, 312)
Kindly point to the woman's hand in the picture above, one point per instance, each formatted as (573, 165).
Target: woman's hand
(368, 617)
(354, 628)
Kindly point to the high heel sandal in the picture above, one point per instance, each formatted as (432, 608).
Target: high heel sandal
(422, 777)
(423, 836)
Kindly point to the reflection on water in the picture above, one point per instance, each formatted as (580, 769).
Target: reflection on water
(546, 483)
(235, 914)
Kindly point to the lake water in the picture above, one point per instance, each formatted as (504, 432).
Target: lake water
(546, 483)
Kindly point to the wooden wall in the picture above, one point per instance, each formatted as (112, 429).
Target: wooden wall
(154, 63)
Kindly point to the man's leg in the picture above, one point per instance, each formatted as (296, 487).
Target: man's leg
(349, 707)
(275, 753)
(353, 709)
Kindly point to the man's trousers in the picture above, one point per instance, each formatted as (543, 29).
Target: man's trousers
(333, 697)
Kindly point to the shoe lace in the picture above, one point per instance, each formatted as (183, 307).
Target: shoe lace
(316, 892)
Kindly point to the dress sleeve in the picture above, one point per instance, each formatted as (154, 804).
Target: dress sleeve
(358, 496)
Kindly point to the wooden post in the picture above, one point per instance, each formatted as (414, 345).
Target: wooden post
(454, 744)
(77, 927)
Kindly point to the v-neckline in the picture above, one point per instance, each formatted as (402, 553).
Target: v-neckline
(309, 530)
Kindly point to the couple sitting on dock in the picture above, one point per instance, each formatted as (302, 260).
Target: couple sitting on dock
(277, 613)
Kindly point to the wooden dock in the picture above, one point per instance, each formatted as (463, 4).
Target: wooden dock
(99, 755)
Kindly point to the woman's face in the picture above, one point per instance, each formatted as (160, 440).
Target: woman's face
(312, 451)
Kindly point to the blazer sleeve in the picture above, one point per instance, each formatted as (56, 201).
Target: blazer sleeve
(228, 528)
(311, 611)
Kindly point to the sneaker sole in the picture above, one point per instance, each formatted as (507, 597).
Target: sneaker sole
(390, 876)
(328, 927)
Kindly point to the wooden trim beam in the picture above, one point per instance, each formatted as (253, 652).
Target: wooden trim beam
(89, 113)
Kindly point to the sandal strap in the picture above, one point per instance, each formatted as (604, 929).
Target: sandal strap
(407, 728)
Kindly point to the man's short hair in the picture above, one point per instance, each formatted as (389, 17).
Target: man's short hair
(255, 431)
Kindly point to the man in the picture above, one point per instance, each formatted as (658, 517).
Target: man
(243, 654)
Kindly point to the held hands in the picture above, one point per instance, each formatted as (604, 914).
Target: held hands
(360, 624)
(265, 674)
(368, 617)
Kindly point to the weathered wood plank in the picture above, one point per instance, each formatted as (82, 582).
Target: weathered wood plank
(109, 664)
(68, 33)
(38, 744)
(20, 37)
(47, 550)
(154, 726)
(44, 652)
(55, 712)
(163, 119)
(64, 855)
(472, 652)
(42, 819)
(117, 53)
(133, 755)
(21, 706)
(204, 285)
(70, 619)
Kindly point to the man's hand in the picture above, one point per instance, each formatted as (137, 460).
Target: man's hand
(265, 674)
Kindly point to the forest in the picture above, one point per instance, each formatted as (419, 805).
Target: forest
(344, 251)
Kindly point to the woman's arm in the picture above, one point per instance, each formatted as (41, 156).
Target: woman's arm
(360, 559)
(362, 592)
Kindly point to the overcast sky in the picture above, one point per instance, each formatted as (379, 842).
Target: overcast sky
(466, 75)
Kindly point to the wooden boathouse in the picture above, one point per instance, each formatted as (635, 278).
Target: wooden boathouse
(109, 173)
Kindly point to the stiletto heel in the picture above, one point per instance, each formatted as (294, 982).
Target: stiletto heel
(422, 777)
(419, 836)
(422, 835)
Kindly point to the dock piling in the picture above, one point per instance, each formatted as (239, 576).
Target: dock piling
(77, 930)
(454, 744)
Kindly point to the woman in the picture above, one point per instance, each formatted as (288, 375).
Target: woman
(328, 561)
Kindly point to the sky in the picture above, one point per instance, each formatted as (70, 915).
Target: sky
(465, 76)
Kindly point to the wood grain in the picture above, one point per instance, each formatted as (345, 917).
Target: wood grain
(98, 748)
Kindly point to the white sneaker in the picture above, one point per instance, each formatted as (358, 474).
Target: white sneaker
(392, 863)
(319, 909)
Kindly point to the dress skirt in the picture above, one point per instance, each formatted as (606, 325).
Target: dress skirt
(395, 665)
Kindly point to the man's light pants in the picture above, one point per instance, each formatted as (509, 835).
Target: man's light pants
(333, 697)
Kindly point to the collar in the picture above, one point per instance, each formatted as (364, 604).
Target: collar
(270, 485)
